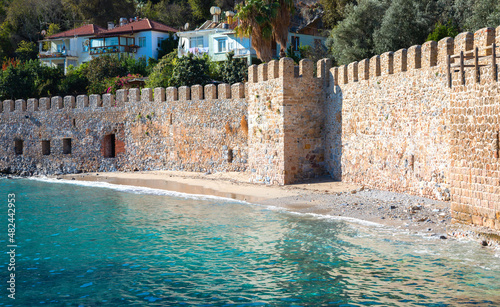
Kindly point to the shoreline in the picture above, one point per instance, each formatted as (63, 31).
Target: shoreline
(410, 213)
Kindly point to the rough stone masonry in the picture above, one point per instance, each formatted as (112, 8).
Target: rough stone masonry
(400, 121)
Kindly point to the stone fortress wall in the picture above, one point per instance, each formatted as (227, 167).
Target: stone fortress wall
(191, 128)
(402, 121)
(399, 121)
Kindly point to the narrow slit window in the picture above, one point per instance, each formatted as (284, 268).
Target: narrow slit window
(66, 146)
(230, 156)
(109, 146)
(18, 147)
(45, 148)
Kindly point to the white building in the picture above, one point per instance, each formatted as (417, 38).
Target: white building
(137, 38)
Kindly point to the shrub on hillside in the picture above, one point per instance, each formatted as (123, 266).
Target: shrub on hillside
(116, 83)
(99, 69)
(75, 83)
(352, 39)
(190, 70)
(233, 70)
(29, 79)
(26, 51)
(162, 72)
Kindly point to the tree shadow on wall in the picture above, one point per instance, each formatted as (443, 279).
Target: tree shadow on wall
(333, 130)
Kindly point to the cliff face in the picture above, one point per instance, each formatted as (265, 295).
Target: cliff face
(306, 11)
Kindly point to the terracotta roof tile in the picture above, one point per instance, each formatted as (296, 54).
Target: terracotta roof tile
(138, 26)
(86, 30)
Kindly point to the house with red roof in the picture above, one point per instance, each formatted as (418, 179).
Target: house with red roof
(69, 47)
(135, 37)
(132, 37)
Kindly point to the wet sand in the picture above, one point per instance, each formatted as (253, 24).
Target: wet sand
(323, 196)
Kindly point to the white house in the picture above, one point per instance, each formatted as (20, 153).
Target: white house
(138, 38)
(218, 38)
(69, 47)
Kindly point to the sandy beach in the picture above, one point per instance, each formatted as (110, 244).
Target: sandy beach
(322, 196)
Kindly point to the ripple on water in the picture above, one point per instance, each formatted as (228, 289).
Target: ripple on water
(117, 248)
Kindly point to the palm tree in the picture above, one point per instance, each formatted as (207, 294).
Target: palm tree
(280, 24)
(265, 21)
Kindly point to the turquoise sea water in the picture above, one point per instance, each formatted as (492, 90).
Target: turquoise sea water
(89, 246)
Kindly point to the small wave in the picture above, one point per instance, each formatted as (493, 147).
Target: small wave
(326, 216)
(136, 189)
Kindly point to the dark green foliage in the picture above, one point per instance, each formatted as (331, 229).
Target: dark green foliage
(297, 55)
(168, 45)
(200, 9)
(132, 66)
(99, 11)
(441, 31)
(162, 72)
(100, 68)
(190, 70)
(26, 51)
(334, 11)
(110, 66)
(75, 82)
(485, 13)
(29, 79)
(405, 23)
(233, 70)
(352, 39)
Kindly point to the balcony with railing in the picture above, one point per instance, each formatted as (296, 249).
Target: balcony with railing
(57, 54)
(241, 52)
(110, 45)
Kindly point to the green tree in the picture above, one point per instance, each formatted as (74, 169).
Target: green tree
(190, 70)
(26, 51)
(441, 31)
(162, 72)
(233, 70)
(29, 17)
(201, 9)
(6, 41)
(256, 17)
(29, 79)
(352, 39)
(99, 69)
(485, 13)
(334, 11)
(405, 23)
(173, 13)
(99, 11)
(168, 45)
(75, 82)
(52, 29)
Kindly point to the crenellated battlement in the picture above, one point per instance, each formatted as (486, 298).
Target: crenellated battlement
(286, 69)
(429, 55)
(125, 97)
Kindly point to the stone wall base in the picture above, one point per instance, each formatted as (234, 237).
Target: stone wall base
(468, 214)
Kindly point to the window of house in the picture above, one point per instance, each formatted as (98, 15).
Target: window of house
(142, 42)
(196, 42)
(221, 45)
(66, 146)
(112, 41)
(45, 148)
(160, 39)
(295, 43)
(86, 44)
